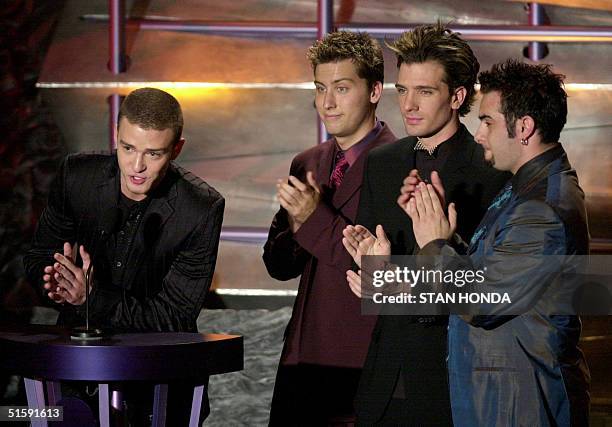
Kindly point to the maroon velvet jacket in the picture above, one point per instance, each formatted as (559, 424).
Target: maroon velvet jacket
(327, 327)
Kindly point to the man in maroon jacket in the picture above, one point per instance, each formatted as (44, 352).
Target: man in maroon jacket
(327, 337)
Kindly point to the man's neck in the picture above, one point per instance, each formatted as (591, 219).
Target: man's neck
(346, 142)
(444, 134)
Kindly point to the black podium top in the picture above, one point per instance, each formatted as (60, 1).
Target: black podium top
(49, 352)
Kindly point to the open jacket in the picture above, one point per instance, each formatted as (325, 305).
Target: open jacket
(522, 370)
(172, 257)
(326, 327)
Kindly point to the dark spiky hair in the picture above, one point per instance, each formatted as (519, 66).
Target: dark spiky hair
(529, 90)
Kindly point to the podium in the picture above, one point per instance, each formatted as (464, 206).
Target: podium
(45, 355)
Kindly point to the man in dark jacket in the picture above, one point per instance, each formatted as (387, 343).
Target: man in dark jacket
(150, 228)
(404, 380)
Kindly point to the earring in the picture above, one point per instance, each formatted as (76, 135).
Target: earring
(524, 141)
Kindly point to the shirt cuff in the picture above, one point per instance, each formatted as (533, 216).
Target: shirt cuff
(434, 247)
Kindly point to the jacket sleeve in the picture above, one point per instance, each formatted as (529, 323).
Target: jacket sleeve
(321, 236)
(283, 257)
(525, 258)
(55, 226)
(178, 304)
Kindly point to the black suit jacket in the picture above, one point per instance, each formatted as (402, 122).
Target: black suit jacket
(416, 345)
(172, 259)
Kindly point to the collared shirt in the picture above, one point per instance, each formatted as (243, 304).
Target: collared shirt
(353, 153)
(132, 212)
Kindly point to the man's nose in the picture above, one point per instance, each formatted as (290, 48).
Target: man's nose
(409, 102)
(479, 136)
(139, 163)
(330, 99)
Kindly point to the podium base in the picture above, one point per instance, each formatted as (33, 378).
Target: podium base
(83, 334)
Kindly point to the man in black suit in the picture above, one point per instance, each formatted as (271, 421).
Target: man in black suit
(404, 380)
(150, 228)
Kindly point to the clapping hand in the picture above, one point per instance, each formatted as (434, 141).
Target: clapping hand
(359, 241)
(429, 221)
(299, 199)
(410, 184)
(64, 280)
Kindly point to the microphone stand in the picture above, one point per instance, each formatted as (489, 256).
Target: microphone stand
(85, 333)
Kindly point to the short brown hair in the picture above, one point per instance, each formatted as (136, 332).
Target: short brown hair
(151, 108)
(364, 51)
(437, 43)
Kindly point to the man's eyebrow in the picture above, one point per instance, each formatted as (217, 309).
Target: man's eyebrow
(148, 150)
(397, 85)
(348, 79)
(484, 116)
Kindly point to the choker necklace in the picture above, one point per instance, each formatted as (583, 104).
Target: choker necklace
(421, 146)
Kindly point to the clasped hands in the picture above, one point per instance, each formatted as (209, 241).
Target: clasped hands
(423, 203)
(299, 199)
(64, 280)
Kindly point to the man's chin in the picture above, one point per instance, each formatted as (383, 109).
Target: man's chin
(418, 131)
(333, 130)
(137, 193)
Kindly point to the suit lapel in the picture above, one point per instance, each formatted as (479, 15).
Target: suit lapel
(461, 157)
(107, 197)
(404, 161)
(407, 158)
(350, 183)
(109, 187)
(354, 175)
(325, 165)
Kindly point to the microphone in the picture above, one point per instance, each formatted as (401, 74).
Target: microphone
(107, 226)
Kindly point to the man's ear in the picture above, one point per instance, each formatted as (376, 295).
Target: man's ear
(376, 92)
(458, 97)
(176, 150)
(525, 127)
